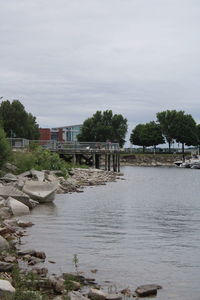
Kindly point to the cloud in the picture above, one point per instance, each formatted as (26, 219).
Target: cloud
(65, 59)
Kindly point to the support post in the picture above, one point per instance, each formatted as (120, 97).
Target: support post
(74, 159)
(115, 162)
(93, 160)
(118, 158)
(109, 158)
(106, 162)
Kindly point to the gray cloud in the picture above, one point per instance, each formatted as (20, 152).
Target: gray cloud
(65, 59)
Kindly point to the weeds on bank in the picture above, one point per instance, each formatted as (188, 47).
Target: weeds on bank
(76, 261)
(26, 287)
(39, 159)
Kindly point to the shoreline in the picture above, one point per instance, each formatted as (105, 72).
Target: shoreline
(25, 261)
(73, 285)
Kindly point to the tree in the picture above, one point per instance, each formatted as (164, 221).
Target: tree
(103, 126)
(198, 135)
(167, 120)
(138, 136)
(17, 122)
(5, 149)
(153, 134)
(185, 129)
(146, 135)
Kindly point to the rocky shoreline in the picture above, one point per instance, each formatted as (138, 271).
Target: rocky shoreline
(149, 160)
(20, 278)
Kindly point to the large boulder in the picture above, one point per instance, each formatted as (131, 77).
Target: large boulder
(100, 295)
(11, 191)
(9, 177)
(40, 191)
(3, 244)
(147, 290)
(6, 288)
(17, 207)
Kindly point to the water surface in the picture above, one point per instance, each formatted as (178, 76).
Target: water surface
(144, 229)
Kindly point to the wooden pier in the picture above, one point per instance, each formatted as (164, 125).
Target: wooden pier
(96, 154)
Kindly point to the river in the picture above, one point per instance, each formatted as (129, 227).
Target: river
(144, 229)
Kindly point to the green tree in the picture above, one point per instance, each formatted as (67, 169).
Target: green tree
(5, 149)
(167, 120)
(198, 135)
(146, 135)
(153, 134)
(138, 136)
(104, 126)
(16, 121)
(185, 130)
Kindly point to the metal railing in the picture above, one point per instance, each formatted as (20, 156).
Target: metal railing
(54, 145)
(18, 143)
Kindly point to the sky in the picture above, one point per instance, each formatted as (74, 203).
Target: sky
(66, 59)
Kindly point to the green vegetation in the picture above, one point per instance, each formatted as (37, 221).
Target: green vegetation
(5, 150)
(171, 126)
(148, 134)
(39, 159)
(76, 262)
(17, 122)
(26, 286)
(104, 126)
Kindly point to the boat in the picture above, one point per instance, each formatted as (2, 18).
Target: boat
(193, 163)
(41, 191)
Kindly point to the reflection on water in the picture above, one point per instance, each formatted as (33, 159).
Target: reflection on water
(141, 230)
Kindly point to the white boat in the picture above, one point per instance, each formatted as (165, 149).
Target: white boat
(41, 191)
(193, 163)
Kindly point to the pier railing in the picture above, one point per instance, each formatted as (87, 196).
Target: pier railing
(52, 145)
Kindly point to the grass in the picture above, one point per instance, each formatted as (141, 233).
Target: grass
(26, 285)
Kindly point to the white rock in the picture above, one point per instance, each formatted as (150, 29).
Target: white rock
(3, 244)
(6, 287)
(100, 295)
(38, 175)
(17, 207)
(76, 296)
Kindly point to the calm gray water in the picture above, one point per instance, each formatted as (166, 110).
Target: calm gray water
(144, 229)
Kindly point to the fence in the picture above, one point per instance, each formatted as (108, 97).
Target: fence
(54, 145)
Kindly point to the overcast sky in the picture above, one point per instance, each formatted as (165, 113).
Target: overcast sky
(65, 59)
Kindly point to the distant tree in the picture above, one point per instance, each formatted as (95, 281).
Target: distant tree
(185, 130)
(138, 136)
(153, 134)
(5, 149)
(32, 128)
(198, 135)
(103, 126)
(16, 121)
(146, 135)
(167, 120)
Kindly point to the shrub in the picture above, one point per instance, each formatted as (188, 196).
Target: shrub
(5, 149)
(39, 159)
(24, 161)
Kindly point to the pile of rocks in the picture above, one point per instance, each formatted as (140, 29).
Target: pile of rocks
(85, 177)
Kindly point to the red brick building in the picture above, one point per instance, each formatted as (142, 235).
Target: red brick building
(45, 134)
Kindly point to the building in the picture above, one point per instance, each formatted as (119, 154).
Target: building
(45, 134)
(61, 134)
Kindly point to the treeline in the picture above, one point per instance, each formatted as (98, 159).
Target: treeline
(16, 122)
(171, 126)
